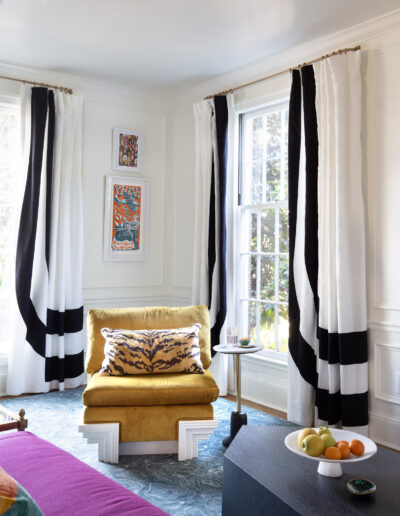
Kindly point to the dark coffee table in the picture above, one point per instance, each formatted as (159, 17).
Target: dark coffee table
(261, 476)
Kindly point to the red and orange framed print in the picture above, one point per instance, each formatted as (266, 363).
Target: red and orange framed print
(128, 150)
(125, 218)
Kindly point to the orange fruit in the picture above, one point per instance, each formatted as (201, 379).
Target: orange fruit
(333, 453)
(346, 442)
(345, 449)
(357, 447)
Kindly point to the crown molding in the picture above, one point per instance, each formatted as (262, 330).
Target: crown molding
(351, 36)
(91, 89)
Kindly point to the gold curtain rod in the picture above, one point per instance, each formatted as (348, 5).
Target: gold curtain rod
(41, 84)
(231, 90)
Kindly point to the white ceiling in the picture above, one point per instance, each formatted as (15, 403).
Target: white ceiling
(165, 45)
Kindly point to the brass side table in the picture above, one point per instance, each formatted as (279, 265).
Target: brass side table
(238, 418)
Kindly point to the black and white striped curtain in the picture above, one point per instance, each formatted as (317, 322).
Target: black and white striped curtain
(328, 351)
(46, 351)
(213, 118)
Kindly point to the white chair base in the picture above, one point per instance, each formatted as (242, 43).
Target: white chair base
(106, 435)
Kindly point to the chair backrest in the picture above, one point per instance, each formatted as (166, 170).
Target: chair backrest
(148, 318)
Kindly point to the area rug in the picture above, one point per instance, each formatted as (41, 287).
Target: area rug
(192, 487)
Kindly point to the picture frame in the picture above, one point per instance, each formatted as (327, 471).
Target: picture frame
(127, 150)
(125, 218)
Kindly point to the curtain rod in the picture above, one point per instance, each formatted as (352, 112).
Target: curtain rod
(42, 84)
(288, 70)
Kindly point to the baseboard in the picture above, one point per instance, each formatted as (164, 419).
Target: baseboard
(384, 430)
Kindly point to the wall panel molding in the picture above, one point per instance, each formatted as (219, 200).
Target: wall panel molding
(384, 382)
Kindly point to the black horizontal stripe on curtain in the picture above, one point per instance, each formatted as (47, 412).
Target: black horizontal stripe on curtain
(57, 323)
(218, 233)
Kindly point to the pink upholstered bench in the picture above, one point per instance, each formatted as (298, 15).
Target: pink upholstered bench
(63, 485)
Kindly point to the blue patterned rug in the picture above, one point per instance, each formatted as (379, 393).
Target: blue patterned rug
(192, 487)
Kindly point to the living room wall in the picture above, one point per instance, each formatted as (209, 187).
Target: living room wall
(264, 381)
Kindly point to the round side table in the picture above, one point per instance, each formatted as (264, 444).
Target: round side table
(238, 418)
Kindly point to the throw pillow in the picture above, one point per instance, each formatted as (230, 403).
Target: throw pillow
(151, 351)
(14, 499)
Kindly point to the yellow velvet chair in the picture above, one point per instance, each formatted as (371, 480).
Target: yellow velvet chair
(154, 413)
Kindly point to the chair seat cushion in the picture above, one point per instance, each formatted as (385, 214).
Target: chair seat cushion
(155, 389)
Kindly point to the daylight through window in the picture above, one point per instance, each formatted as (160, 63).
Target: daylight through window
(8, 184)
(263, 228)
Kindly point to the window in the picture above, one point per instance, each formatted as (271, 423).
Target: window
(263, 228)
(9, 118)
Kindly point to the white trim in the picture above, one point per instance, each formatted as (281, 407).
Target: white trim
(378, 371)
(384, 430)
(106, 435)
(190, 433)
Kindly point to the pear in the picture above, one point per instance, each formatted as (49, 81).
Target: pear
(323, 430)
(313, 445)
(303, 433)
(328, 440)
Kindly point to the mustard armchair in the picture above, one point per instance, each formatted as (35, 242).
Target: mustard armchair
(152, 413)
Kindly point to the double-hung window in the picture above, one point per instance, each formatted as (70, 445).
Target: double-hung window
(263, 271)
(9, 119)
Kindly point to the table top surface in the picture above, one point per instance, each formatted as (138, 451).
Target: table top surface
(237, 350)
(260, 452)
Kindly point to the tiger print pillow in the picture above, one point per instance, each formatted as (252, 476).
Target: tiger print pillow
(151, 351)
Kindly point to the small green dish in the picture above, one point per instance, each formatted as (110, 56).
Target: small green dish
(244, 342)
(360, 486)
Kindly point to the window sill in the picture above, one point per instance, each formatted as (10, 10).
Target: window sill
(268, 360)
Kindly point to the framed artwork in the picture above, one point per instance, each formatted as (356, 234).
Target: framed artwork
(128, 150)
(125, 218)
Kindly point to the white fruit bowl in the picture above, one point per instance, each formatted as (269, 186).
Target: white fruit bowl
(329, 467)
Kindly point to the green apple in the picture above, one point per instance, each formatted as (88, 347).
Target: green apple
(313, 445)
(323, 430)
(328, 440)
(303, 433)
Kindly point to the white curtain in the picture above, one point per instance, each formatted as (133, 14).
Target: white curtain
(56, 275)
(328, 361)
(205, 141)
(342, 270)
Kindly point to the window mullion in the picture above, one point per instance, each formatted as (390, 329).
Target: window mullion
(276, 306)
(258, 279)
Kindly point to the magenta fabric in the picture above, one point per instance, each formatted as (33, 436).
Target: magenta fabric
(63, 485)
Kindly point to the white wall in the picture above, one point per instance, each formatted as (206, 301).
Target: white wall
(380, 39)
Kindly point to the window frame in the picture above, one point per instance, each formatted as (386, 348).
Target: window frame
(270, 107)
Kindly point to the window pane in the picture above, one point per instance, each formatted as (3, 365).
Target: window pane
(267, 277)
(249, 276)
(284, 230)
(274, 134)
(268, 231)
(267, 326)
(257, 138)
(283, 278)
(283, 329)
(273, 180)
(251, 314)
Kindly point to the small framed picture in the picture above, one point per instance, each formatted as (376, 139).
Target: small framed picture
(125, 218)
(128, 150)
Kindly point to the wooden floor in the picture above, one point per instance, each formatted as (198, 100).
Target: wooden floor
(257, 406)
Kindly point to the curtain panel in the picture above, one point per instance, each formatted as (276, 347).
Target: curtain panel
(328, 350)
(46, 351)
(213, 241)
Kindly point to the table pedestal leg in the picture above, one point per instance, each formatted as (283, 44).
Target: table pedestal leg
(238, 418)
